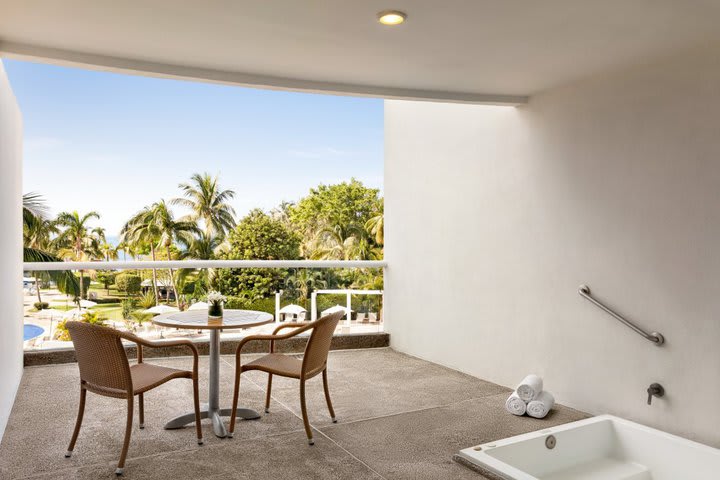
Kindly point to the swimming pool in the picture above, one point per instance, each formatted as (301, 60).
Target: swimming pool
(31, 331)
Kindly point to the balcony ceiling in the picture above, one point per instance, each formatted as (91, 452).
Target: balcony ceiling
(466, 50)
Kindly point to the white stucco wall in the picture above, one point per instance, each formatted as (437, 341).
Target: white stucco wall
(11, 313)
(495, 216)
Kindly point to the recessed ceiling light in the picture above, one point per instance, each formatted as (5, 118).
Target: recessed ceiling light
(391, 17)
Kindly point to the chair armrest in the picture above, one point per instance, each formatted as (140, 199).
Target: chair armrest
(140, 342)
(288, 325)
(301, 327)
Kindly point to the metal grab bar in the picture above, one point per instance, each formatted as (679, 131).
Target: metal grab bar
(654, 337)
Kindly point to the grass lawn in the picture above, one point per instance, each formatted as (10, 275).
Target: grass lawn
(63, 308)
(101, 292)
(113, 311)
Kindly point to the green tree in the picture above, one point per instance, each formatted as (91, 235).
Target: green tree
(303, 281)
(155, 226)
(77, 241)
(347, 203)
(37, 235)
(200, 247)
(376, 227)
(107, 278)
(332, 221)
(257, 237)
(128, 283)
(37, 246)
(208, 203)
(169, 230)
(108, 251)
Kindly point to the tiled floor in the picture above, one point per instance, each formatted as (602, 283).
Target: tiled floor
(399, 418)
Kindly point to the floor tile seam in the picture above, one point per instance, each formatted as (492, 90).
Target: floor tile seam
(406, 412)
(354, 457)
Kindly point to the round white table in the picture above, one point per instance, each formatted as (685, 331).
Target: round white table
(199, 320)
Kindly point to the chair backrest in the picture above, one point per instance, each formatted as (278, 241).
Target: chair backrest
(318, 345)
(101, 358)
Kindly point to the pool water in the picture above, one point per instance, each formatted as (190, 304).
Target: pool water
(31, 331)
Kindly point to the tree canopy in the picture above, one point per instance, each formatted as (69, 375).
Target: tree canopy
(257, 236)
(345, 204)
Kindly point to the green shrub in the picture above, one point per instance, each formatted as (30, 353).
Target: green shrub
(262, 304)
(41, 305)
(147, 300)
(128, 283)
(141, 317)
(106, 278)
(102, 301)
(94, 318)
(128, 306)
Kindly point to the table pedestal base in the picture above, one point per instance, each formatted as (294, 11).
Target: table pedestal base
(216, 416)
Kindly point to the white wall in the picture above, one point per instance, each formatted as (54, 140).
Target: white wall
(11, 312)
(496, 215)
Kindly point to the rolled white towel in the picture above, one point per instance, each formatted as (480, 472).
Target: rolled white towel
(515, 405)
(540, 407)
(530, 388)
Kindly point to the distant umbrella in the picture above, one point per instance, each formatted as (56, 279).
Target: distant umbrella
(336, 308)
(292, 309)
(160, 309)
(87, 304)
(198, 306)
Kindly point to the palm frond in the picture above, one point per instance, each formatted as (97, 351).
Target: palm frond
(65, 279)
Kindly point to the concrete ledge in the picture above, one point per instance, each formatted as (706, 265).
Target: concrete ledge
(227, 347)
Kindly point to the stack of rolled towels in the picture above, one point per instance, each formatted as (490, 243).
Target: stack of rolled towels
(529, 397)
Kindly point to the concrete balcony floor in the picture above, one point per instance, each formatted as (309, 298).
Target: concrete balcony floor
(399, 418)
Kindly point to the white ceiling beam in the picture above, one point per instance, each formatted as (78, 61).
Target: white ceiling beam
(70, 58)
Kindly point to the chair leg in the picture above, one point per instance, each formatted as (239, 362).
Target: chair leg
(141, 408)
(78, 422)
(303, 407)
(126, 442)
(196, 399)
(327, 396)
(267, 395)
(236, 394)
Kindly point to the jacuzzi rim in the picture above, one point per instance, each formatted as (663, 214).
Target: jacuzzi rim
(478, 454)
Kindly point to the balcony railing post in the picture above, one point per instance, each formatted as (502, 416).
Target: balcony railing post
(348, 317)
(313, 306)
(277, 307)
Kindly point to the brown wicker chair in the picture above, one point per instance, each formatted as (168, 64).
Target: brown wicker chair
(105, 370)
(313, 363)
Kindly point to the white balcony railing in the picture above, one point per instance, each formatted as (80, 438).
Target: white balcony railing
(158, 264)
(361, 324)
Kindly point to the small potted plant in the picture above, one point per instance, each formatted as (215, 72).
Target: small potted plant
(215, 302)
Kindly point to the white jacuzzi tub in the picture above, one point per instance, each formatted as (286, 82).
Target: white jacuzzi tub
(598, 448)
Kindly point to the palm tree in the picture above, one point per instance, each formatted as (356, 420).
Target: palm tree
(156, 226)
(35, 213)
(199, 247)
(281, 213)
(305, 280)
(37, 237)
(34, 208)
(138, 233)
(169, 231)
(376, 227)
(340, 242)
(208, 203)
(77, 241)
(109, 251)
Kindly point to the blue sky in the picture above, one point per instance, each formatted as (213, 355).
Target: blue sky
(115, 143)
